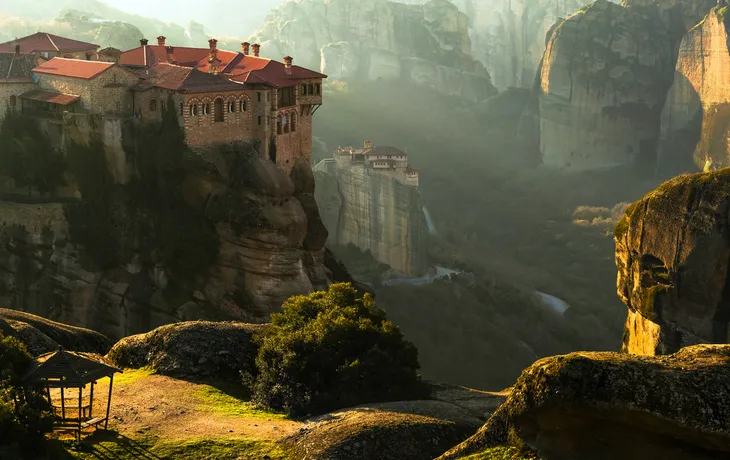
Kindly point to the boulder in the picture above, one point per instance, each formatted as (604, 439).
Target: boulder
(412, 430)
(574, 406)
(196, 349)
(673, 259)
(41, 335)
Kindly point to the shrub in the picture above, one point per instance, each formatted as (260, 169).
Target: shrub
(25, 413)
(331, 350)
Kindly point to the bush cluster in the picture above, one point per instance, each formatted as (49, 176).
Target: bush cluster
(330, 350)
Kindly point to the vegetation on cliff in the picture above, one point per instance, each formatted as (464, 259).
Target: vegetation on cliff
(331, 350)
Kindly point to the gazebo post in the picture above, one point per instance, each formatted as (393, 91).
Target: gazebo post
(80, 395)
(91, 401)
(109, 401)
(50, 401)
(63, 404)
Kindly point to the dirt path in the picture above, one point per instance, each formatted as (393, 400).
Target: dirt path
(144, 404)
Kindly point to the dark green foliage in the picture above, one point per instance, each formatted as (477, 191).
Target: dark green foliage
(148, 216)
(331, 350)
(27, 155)
(24, 413)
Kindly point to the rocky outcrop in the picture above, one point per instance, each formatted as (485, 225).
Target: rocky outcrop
(42, 336)
(197, 349)
(427, 45)
(268, 246)
(412, 430)
(673, 260)
(696, 117)
(604, 79)
(375, 212)
(670, 407)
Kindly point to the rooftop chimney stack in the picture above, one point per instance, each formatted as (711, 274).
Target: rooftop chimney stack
(143, 42)
(287, 64)
(245, 48)
(213, 43)
(256, 48)
(17, 51)
(161, 40)
(169, 50)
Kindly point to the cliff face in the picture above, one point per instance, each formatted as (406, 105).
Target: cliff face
(427, 44)
(673, 255)
(375, 212)
(696, 117)
(270, 246)
(604, 79)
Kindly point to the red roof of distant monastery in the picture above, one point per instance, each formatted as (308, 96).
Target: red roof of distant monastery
(75, 68)
(235, 66)
(42, 41)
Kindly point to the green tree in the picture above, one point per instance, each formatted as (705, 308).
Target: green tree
(330, 350)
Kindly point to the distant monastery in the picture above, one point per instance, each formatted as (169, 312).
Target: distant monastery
(388, 161)
(219, 96)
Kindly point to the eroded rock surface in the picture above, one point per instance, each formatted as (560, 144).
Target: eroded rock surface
(673, 260)
(196, 349)
(571, 407)
(426, 44)
(408, 430)
(604, 79)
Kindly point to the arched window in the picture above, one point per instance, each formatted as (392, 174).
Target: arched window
(206, 108)
(153, 105)
(278, 124)
(232, 107)
(294, 122)
(286, 123)
(193, 110)
(304, 90)
(218, 110)
(182, 108)
(244, 105)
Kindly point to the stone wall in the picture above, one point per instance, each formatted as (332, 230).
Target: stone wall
(12, 89)
(107, 93)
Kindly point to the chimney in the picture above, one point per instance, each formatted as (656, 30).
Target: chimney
(161, 40)
(287, 61)
(256, 48)
(169, 50)
(245, 48)
(17, 51)
(213, 43)
(143, 42)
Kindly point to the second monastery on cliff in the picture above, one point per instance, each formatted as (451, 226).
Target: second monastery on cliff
(219, 96)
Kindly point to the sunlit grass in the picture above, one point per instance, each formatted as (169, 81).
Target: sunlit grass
(230, 403)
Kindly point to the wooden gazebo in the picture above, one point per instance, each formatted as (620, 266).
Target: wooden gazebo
(67, 370)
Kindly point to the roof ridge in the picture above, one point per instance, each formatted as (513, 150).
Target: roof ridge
(52, 42)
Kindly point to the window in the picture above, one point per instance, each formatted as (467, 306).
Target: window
(287, 96)
(319, 88)
(162, 105)
(13, 100)
(286, 123)
(244, 105)
(278, 125)
(153, 105)
(294, 122)
(193, 110)
(304, 90)
(259, 96)
(232, 107)
(206, 108)
(311, 89)
(182, 106)
(260, 120)
(218, 110)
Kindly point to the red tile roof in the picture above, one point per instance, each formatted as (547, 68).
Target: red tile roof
(49, 96)
(186, 79)
(385, 151)
(42, 41)
(236, 66)
(75, 68)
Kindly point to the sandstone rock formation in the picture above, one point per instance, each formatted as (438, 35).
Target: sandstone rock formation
(198, 349)
(573, 406)
(271, 247)
(695, 120)
(673, 261)
(603, 81)
(375, 212)
(412, 430)
(41, 335)
(427, 44)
